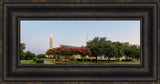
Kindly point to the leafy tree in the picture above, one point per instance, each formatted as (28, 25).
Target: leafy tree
(49, 52)
(64, 51)
(96, 46)
(84, 52)
(22, 53)
(135, 51)
(128, 53)
(30, 55)
(109, 50)
(119, 48)
(127, 50)
(131, 51)
(40, 56)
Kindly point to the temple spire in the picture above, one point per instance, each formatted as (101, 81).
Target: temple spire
(51, 40)
(51, 32)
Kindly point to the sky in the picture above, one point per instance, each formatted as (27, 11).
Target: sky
(36, 33)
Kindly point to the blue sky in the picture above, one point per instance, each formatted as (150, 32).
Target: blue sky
(36, 33)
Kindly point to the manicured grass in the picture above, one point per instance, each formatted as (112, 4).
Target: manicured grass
(28, 62)
(65, 62)
(74, 62)
(89, 62)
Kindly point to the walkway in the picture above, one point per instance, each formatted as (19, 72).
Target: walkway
(46, 62)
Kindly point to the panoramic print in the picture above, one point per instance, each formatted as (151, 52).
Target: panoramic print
(66, 42)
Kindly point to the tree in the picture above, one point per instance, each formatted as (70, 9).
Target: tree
(49, 52)
(84, 52)
(109, 50)
(135, 51)
(30, 55)
(64, 51)
(22, 53)
(40, 56)
(119, 48)
(96, 46)
(127, 50)
(131, 51)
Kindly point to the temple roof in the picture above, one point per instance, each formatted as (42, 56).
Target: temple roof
(68, 46)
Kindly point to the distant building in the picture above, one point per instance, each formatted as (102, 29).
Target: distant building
(68, 46)
(102, 57)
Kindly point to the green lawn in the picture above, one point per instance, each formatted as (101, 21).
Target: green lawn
(73, 62)
(89, 62)
(28, 62)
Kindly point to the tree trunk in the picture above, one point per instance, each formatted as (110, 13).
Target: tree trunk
(83, 59)
(69, 59)
(96, 60)
(109, 59)
(126, 59)
(65, 58)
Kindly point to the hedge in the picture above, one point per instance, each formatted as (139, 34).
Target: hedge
(34, 59)
(39, 61)
(85, 60)
(126, 60)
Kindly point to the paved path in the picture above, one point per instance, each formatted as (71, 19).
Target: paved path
(126, 63)
(46, 62)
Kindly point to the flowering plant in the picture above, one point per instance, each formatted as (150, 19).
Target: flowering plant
(85, 51)
(65, 51)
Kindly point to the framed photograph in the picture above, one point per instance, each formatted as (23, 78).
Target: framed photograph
(95, 42)
(80, 42)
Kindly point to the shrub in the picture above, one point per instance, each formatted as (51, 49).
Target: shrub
(39, 61)
(34, 59)
(30, 55)
(79, 60)
(93, 59)
(84, 60)
(56, 62)
(87, 59)
(41, 56)
(126, 60)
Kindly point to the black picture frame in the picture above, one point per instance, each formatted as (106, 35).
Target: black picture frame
(10, 49)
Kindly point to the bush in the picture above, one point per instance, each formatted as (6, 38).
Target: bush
(30, 55)
(87, 59)
(84, 60)
(34, 59)
(126, 60)
(41, 56)
(79, 60)
(39, 61)
(93, 59)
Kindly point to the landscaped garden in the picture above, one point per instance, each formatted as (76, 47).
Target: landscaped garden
(78, 61)
(112, 52)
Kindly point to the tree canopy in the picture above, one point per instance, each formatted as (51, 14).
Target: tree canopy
(22, 53)
(102, 46)
(25, 55)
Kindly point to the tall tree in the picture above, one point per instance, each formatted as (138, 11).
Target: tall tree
(119, 48)
(96, 46)
(127, 50)
(22, 53)
(109, 50)
(135, 51)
